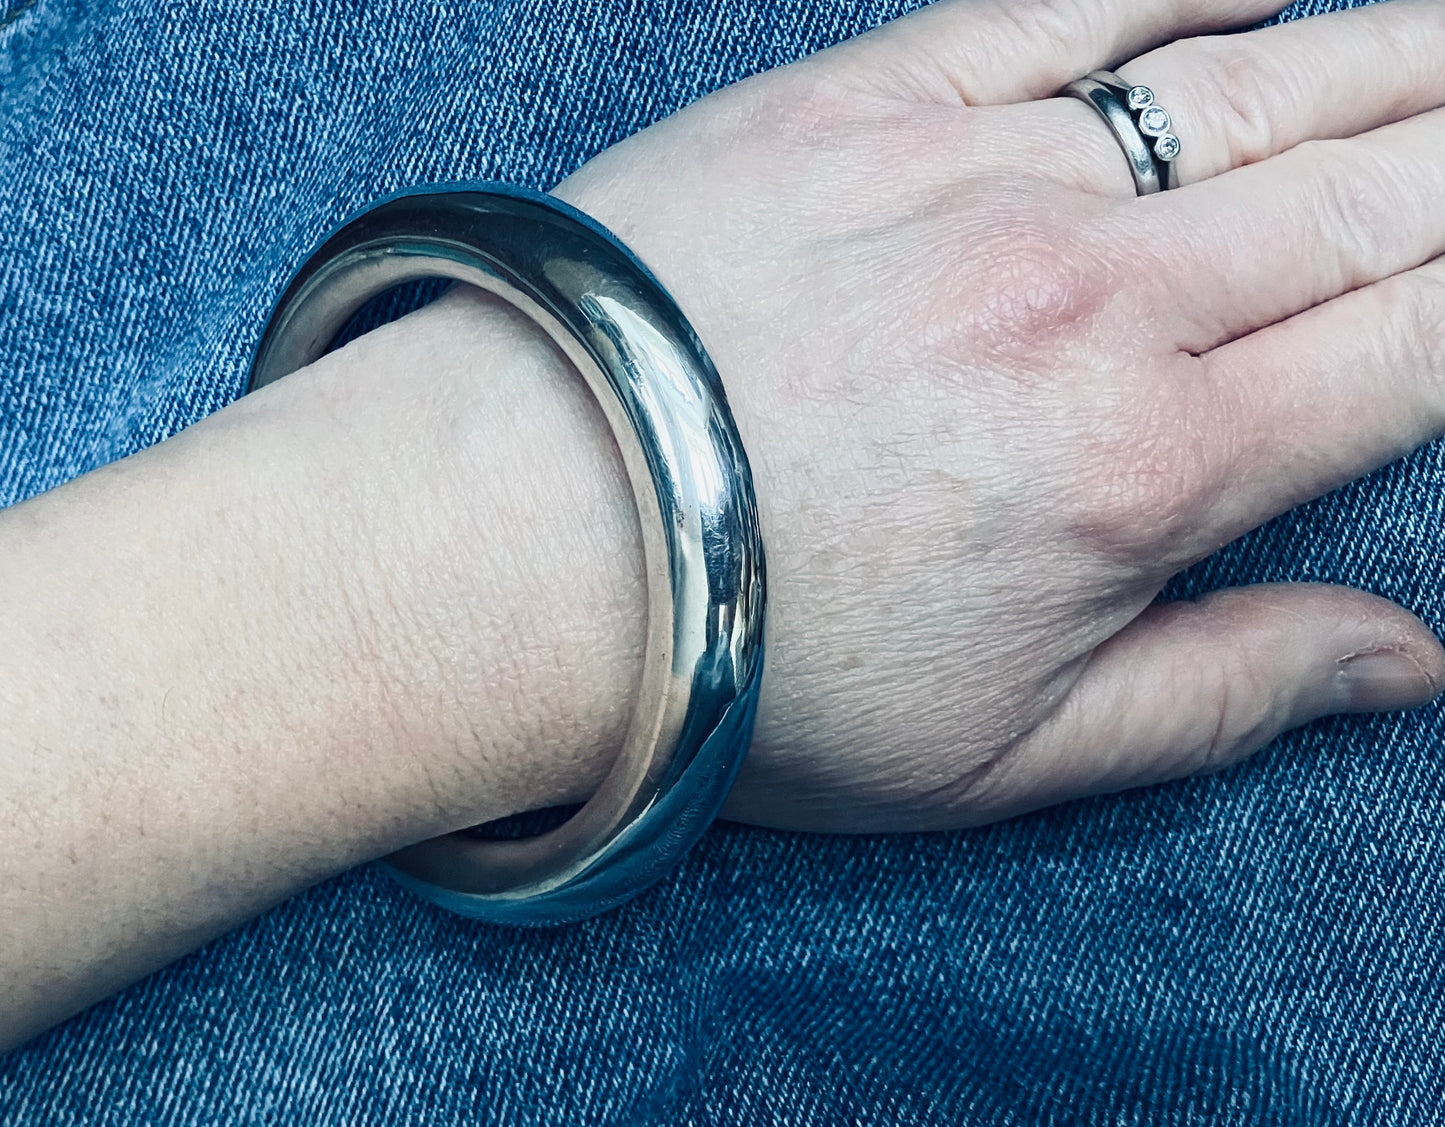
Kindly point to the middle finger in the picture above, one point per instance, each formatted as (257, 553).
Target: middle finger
(1259, 244)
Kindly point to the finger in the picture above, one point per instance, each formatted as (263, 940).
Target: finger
(1189, 688)
(1238, 99)
(990, 52)
(1327, 396)
(1261, 243)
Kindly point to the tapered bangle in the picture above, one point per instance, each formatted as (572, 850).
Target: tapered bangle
(693, 488)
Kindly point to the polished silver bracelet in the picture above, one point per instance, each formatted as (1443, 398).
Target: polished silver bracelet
(703, 550)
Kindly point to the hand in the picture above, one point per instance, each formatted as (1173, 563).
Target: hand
(993, 401)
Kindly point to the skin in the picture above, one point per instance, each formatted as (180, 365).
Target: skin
(989, 414)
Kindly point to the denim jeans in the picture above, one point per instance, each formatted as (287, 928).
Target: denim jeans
(1261, 947)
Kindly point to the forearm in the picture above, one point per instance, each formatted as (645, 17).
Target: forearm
(388, 597)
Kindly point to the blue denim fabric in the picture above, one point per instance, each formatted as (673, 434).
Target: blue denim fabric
(1261, 947)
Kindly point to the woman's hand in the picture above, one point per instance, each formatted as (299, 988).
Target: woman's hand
(993, 401)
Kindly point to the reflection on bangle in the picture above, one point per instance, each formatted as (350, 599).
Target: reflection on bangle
(704, 553)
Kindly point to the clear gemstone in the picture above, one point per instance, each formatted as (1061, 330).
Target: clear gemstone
(1140, 97)
(1167, 147)
(1154, 121)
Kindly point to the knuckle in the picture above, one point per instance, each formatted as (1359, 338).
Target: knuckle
(1227, 709)
(1400, 40)
(1033, 287)
(1236, 725)
(1424, 315)
(1354, 196)
(1412, 309)
(1247, 87)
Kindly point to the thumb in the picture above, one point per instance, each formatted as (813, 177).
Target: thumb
(1188, 688)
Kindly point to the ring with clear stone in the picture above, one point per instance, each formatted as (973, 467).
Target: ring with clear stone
(1142, 127)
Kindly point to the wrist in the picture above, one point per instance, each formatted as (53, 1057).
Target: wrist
(390, 596)
(505, 605)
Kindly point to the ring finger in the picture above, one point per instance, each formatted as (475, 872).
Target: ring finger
(1237, 99)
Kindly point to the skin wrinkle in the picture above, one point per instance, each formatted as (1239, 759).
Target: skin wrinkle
(1419, 329)
(1213, 753)
(1250, 97)
(527, 652)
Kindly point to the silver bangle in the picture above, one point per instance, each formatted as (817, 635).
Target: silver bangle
(704, 553)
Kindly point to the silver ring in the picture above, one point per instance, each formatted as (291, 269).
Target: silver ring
(1142, 127)
(704, 552)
